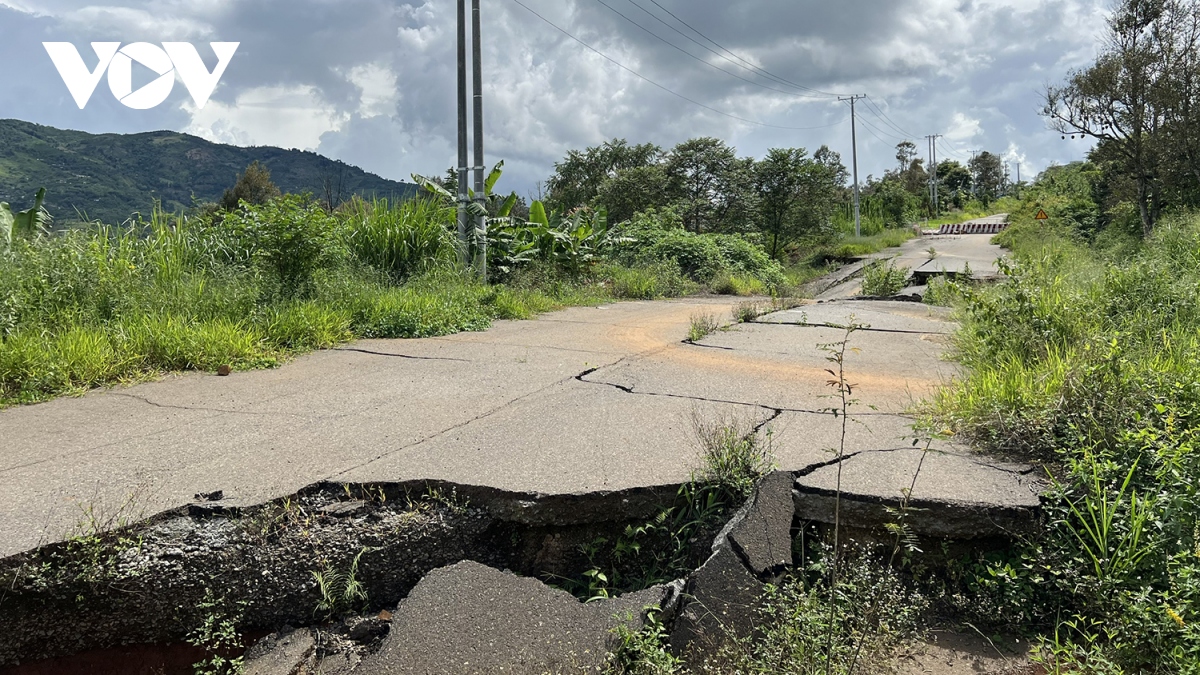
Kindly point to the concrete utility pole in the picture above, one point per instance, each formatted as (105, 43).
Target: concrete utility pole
(462, 132)
(933, 144)
(470, 230)
(971, 166)
(854, 156)
(480, 197)
(929, 176)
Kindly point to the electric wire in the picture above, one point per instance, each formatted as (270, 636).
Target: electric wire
(739, 58)
(880, 132)
(684, 51)
(664, 88)
(869, 128)
(884, 131)
(879, 109)
(751, 68)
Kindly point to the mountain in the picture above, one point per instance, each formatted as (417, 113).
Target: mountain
(108, 177)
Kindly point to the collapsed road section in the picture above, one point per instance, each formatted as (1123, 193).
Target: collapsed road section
(375, 578)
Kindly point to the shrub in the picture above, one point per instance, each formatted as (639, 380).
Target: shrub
(750, 259)
(697, 256)
(291, 237)
(883, 280)
(658, 236)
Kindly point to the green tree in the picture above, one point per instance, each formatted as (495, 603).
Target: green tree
(906, 152)
(577, 179)
(797, 194)
(714, 190)
(1141, 100)
(953, 176)
(632, 191)
(988, 171)
(777, 178)
(253, 186)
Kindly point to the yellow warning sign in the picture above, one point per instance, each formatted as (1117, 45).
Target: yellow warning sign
(1041, 215)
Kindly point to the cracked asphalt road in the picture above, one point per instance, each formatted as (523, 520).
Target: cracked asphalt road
(586, 399)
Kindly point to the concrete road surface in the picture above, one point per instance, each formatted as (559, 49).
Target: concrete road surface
(927, 255)
(579, 400)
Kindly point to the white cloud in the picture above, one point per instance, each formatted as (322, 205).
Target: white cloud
(371, 82)
(379, 91)
(288, 117)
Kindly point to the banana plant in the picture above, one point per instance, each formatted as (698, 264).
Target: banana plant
(496, 207)
(29, 221)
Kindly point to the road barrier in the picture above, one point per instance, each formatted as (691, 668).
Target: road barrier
(973, 228)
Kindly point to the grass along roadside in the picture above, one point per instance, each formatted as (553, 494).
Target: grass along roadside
(1086, 358)
(253, 288)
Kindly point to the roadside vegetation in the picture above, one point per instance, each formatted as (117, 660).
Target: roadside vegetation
(1086, 359)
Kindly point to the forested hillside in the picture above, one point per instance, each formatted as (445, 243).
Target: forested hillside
(107, 177)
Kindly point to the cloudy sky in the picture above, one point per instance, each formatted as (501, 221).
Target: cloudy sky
(371, 82)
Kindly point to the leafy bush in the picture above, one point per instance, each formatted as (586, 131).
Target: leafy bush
(941, 291)
(658, 236)
(291, 237)
(743, 257)
(883, 279)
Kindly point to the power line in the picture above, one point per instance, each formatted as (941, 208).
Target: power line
(664, 88)
(752, 68)
(739, 58)
(684, 51)
(871, 128)
(889, 121)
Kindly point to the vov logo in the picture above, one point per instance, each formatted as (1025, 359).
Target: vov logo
(166, 61)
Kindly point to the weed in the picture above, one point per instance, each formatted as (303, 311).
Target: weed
(809, 628)
(703, 325)
(736, 284)
(732, 455)
(942, 291)
(733, 461)
(218, 635)
(745, 312)
(643, 652)
(1089, 361)
(340, 591)
(883, 279)
(451, 501)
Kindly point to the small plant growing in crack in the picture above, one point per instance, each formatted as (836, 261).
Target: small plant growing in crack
(450, 500)
(745, 312)
(340, 591)
(217, 634)
(882, 279)
(703, 325)
(732, 455)
(836, 357)
(733, 459)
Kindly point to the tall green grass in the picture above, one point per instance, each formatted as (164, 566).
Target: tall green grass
(109, 304)
(1091, 363)
(404, 239)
